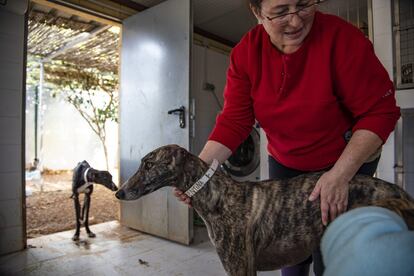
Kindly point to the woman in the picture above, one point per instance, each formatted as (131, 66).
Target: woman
(310, 80)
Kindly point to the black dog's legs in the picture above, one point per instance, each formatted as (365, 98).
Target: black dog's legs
(86, 207)
(78, 212)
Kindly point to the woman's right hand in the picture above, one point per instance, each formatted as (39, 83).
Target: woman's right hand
(212, 150)
(182, 197)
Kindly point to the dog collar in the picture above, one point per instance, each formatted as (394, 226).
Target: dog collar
(87, 183)
(203, 180)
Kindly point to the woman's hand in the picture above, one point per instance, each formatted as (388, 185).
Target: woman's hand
(333, 186)
(333, 192)
(212, 150)
(182, 197)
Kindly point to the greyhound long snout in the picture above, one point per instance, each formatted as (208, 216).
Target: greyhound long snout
(114, 187)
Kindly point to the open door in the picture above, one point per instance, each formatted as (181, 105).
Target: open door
(154, 99)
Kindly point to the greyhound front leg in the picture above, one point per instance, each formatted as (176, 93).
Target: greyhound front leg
(77, 214)
(87, 205)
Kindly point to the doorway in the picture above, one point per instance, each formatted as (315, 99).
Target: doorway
(71, 113)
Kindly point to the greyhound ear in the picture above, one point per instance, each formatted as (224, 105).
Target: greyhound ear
(180, 157)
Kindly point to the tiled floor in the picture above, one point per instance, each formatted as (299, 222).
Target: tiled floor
(116, 250)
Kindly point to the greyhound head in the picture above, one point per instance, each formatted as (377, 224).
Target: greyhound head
(102, 177)
(166, 166)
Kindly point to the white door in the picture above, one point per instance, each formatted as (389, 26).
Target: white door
(155, 79)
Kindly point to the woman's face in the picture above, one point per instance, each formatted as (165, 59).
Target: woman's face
(287, 29)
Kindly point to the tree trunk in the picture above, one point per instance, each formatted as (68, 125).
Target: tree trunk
(105, 152)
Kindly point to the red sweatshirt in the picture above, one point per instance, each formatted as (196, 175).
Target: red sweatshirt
(306, 101)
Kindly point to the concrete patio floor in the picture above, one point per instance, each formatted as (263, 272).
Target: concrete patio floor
(116, 250)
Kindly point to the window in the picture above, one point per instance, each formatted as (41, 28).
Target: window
(403, 27)
(356, 12)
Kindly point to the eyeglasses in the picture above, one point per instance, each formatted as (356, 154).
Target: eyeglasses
(302, 10)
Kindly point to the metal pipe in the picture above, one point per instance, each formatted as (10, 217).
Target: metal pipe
(36, 111)
(40, 115)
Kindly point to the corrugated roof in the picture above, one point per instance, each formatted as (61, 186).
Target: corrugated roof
(72, 40)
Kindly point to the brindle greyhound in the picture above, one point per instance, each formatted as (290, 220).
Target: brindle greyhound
(84, 176)
(255, 226)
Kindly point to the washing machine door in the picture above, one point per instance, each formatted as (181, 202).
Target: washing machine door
(246, 158)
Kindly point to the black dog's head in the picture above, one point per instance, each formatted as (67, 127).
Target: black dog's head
(165, 166)
(103, 178)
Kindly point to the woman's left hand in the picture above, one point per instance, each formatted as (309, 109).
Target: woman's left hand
(333, 191)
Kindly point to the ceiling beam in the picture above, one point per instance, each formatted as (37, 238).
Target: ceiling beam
(128, 7)
(131, 4)
(212, 36)
(66, 7)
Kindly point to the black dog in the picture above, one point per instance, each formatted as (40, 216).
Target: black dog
(84, 176)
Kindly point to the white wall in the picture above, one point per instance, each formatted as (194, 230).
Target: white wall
(383, 44)
(405, 98)
(12, 66)
(207, 66)
(67, 138)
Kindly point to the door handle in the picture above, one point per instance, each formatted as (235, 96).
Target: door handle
(181, 113)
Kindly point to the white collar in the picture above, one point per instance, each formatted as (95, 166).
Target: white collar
(87, 183)
(203, 180)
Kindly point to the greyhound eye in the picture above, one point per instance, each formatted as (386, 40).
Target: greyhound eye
(147, 165)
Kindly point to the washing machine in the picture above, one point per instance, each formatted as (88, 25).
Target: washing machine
(244, 163)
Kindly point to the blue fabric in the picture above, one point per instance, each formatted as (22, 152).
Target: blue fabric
(368, 241)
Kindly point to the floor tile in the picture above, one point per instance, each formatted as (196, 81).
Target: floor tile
(116, 250)
(15, 262)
